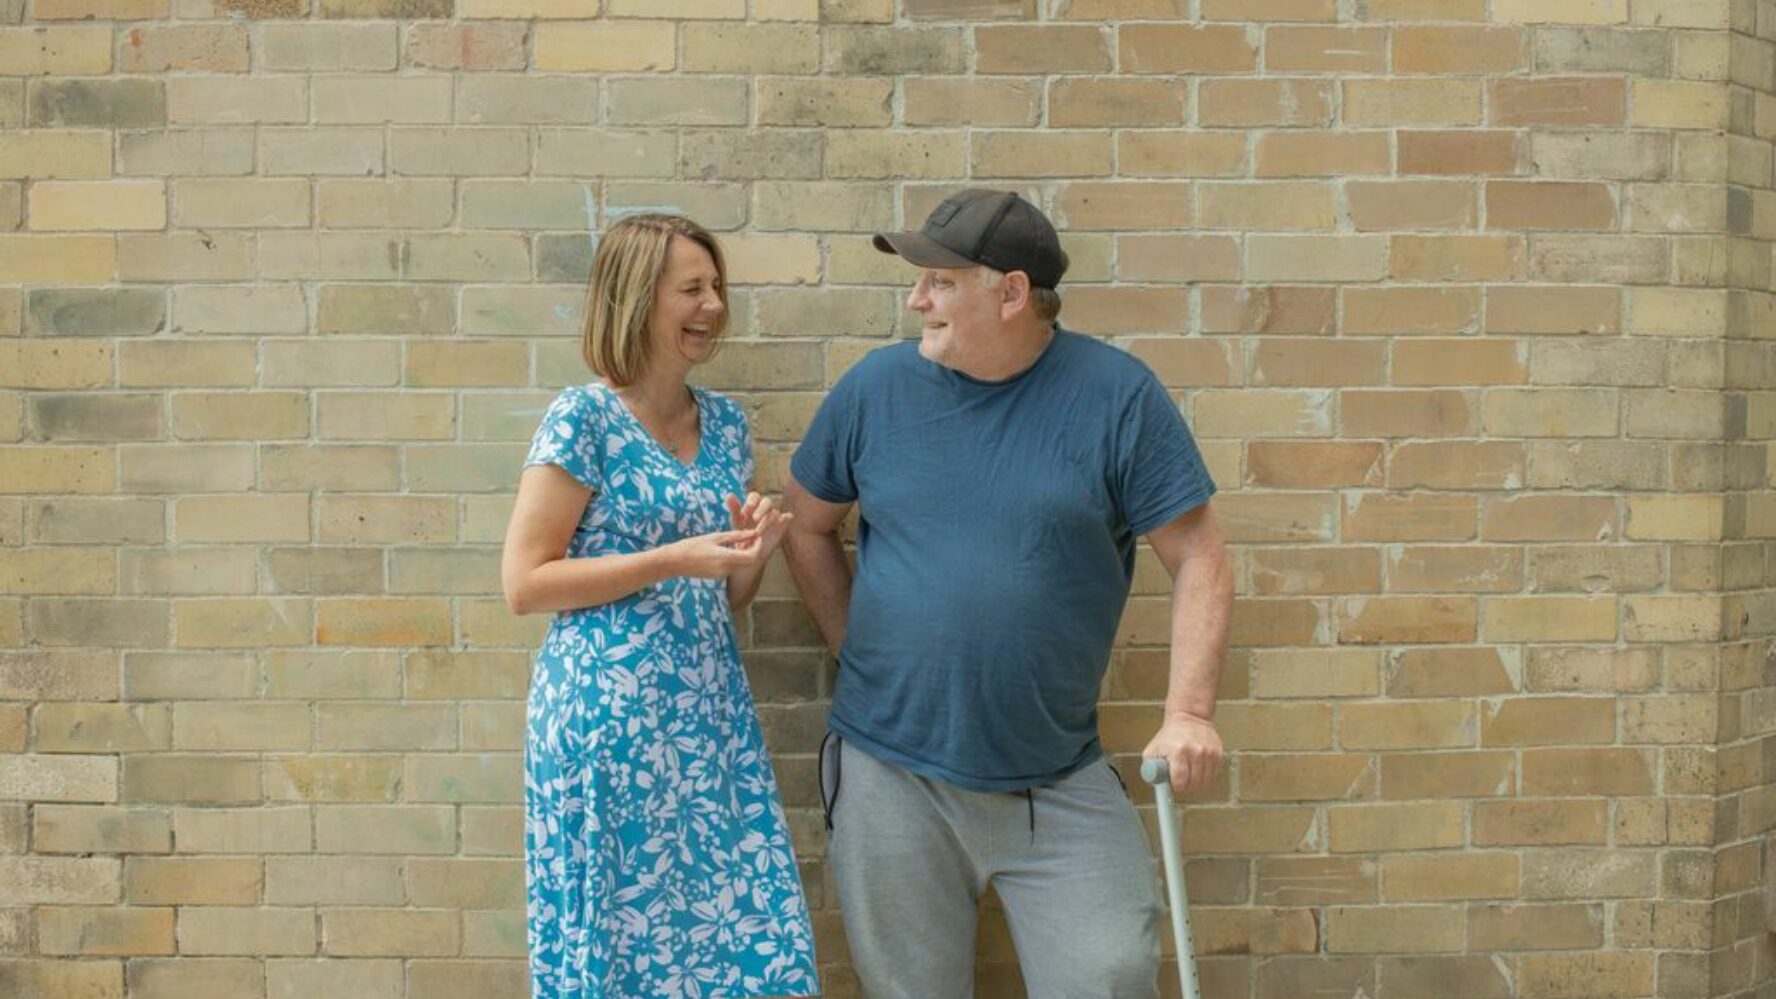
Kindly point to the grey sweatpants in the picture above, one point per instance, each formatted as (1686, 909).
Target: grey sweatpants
(912, 857)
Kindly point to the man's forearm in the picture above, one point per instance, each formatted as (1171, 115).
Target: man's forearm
(1202, 604)
(823, 577)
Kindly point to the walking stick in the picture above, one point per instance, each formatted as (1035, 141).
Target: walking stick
(1157, 773)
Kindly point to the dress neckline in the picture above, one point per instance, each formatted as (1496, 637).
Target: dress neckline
(697, 399)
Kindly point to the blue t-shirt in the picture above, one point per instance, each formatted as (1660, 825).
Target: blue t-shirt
(996, 545)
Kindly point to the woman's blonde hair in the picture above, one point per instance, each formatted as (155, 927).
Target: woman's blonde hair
(625, 275)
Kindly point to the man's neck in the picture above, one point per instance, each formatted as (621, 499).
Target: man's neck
(1022, 347)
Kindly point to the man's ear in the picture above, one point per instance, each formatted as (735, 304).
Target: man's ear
(1014, 293)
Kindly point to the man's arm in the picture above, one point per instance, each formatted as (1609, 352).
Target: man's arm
(1194, 554)
(816, 560)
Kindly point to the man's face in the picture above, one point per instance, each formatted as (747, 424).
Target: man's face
(958, 311)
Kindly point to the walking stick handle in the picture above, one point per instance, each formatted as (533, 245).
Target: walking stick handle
(1156, 772)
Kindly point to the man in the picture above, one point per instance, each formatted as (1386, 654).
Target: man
(1003, 469)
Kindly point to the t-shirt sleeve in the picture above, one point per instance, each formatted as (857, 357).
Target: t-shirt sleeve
(569, 436)
(1159, 471)
(823, 463)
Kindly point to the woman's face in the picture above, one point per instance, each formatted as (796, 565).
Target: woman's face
(687, 309)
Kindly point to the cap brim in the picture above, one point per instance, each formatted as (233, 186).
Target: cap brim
(920, 250)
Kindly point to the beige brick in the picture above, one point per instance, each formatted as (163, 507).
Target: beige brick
(381, 204)
(56, 51)
(219, 256)
(1267, 207)
(1422, 725)
(191, 778)
(1570, 772)
(1307, 777)
(1406, 619)
(78, 260)
(1678, 104)
(1315, 258)
(245, 830)
(1437, 361)
(58, 880)
(1540, 823)
(242, 623)
(473, 152)
(399, 519)
(1322, 154)
(1463, 152)
(101, 728)
(228, 203)
(1586, 976)
(1434, 569)
(207, 100)
(1177, 258)
(405, 829)
(328, 47)
(164, 675)
(370, 979)
(885, 51)
(159, 48)
(320, 151)
(1450, 50)
(29, 979)
(1325, 49)
(186, 363)
(612, 46)
(467, 257)
(1550, 518)
(217, 725)
(101, 829)
(1407, 413)
(1172, 154)
(316, 777)
(59, 778)
(1303, 464)
(1393, 929)
(97, 205)
(1565, 309)
(254, 932)
(1562, 12)
(1535, 927)
(1234, 102)
(47, 364)
(339, 466)
(467, 47)
(1541, 205)
(926, 101)
(305, 364)
(92, 931)
(384, 416)
(1411, 102)
(383, 622)
(190, 152)
(1111, 102)
(1182, 48)
(1270, 10)
(48, 153)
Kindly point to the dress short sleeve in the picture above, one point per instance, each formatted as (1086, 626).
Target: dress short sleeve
(569, 436)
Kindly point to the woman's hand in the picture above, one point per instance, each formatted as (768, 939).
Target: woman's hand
(713, 556)
(760, 514)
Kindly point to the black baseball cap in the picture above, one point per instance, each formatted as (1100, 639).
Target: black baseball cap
(976, 226)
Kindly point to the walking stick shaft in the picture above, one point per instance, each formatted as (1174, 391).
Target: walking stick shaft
(1155, 772)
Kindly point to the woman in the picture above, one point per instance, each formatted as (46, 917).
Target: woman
(658, 861)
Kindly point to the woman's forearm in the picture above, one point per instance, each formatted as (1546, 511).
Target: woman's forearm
(743, 586)
(576, 583)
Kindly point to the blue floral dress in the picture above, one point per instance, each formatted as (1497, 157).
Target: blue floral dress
(657, 859)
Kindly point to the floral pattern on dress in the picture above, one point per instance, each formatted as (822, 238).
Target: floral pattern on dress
(658, 862)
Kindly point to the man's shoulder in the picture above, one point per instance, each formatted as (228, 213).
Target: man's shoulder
(882, 363)
(1094, 357)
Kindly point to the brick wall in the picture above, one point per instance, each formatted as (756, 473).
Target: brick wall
(1468, 301)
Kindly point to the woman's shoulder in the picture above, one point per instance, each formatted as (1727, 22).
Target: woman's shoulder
(722, 405)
